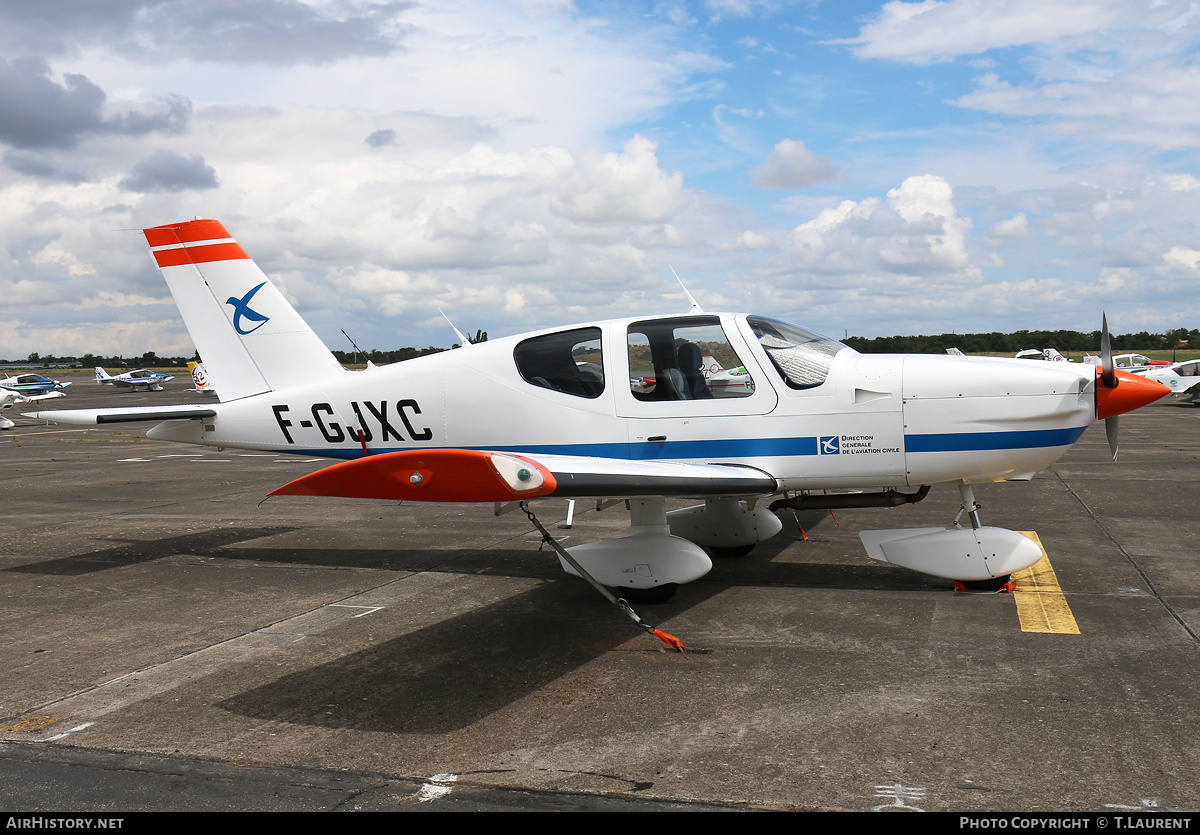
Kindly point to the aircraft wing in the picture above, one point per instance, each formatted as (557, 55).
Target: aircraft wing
(467, 475)
(32, 398)
(92, 417)
(1191, 393)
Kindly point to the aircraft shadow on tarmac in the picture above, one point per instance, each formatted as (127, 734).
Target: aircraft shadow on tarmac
(452, 674)
(204, 543)
(759, 568)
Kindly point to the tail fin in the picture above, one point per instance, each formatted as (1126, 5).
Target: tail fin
(200, 381)
(251, 339)
(102, 375)
(710, 366)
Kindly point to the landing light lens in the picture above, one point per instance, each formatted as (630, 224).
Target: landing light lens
(517, 474)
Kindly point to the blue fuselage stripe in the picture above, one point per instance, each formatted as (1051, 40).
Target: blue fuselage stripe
(977, 441)
(743, 448)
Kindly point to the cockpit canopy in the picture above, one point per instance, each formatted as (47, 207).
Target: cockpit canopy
(677, 358)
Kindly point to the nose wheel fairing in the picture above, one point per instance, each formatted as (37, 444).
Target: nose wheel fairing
(968, 554)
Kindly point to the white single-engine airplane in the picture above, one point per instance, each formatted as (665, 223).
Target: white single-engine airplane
(553, 414)
(8, 399)
(1135, 363)
(134, 380)
(1181, 379)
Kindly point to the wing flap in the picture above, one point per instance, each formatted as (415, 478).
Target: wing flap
(585, 477)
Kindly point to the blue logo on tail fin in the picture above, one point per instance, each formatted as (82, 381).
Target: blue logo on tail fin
(241, 309)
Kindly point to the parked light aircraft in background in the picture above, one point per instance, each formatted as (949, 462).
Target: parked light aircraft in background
(553, 414)
(723, 382)
(8, 399)
(200, 381)
(1047, 354)
(133, 380)
(31, 384)
(1182, 379)
(1128, 362)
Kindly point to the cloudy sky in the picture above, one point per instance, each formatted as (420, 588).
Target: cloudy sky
(863, 167)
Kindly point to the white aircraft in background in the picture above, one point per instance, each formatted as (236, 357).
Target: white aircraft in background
(31, 384)
(1047, 354)
(1181, 379)
(722, 382)
(200, 381)
(1128, 362)
(133, 380)
(517, 419)
(8, 399)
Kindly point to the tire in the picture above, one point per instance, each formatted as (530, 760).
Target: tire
(736, 552)
(656, 594)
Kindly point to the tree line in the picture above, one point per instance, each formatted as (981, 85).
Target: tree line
(152, 360)
(969, 343)
(146, 360)
(1010, 343)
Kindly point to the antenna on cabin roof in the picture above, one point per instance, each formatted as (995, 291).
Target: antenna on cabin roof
(696, 308)
(462, 340)
(357, 350)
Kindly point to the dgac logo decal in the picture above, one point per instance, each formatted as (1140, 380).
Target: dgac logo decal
(241, 309)
(829, 445)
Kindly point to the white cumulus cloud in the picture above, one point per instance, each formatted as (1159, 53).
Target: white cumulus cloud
(793, 166)
(914, 231)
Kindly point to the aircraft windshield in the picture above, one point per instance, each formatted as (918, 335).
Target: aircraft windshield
(801, 357)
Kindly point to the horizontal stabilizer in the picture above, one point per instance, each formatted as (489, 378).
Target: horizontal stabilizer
(94, 417)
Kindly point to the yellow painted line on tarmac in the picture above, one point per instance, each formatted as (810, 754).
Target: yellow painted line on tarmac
(28, 725)
(1041, 605)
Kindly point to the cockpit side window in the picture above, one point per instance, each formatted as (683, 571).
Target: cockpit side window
(801, 357)
(571, 362)
(684, 359)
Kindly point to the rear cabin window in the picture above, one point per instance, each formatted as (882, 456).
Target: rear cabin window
(570, 362)
(684, 359)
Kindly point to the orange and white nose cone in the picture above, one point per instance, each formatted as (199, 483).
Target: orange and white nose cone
(1131, 392)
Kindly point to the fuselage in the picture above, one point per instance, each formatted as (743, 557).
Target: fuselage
(818, 414)
(31, 384)
(1181, 379)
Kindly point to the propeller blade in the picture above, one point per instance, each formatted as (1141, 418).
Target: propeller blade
(1106, 360)
(1110, 430)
